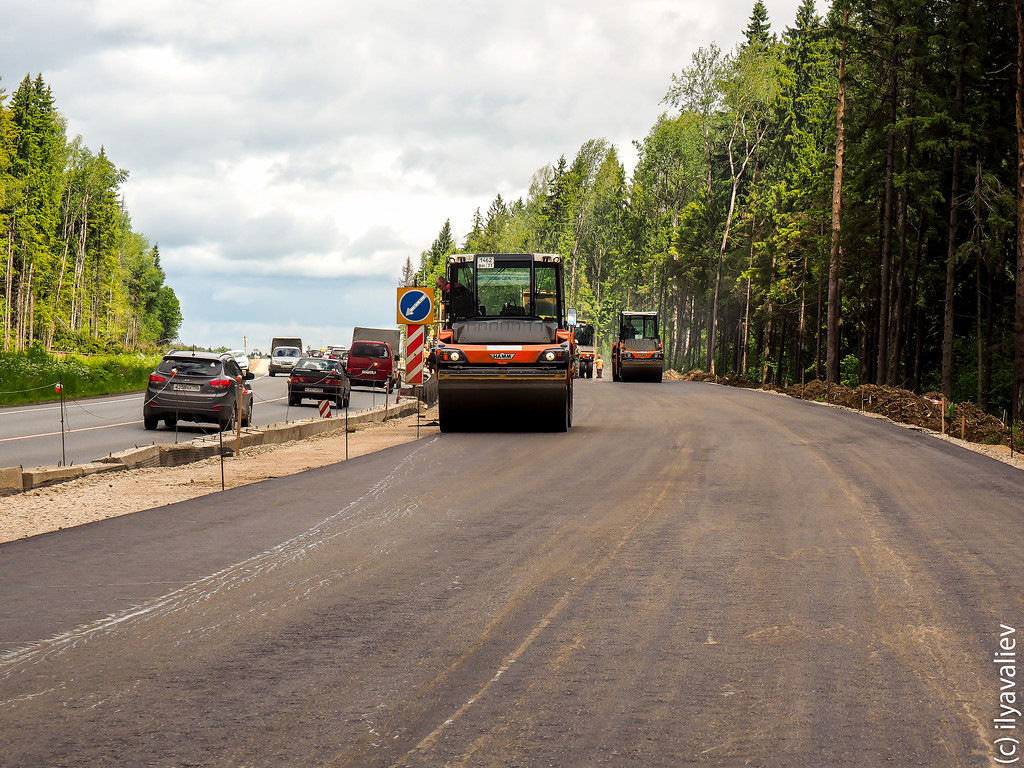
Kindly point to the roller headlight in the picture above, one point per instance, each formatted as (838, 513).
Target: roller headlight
(553, 355)
(450, 355)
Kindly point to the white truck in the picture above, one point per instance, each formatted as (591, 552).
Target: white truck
(291, 350)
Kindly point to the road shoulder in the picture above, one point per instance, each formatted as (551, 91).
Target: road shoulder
(98, 497)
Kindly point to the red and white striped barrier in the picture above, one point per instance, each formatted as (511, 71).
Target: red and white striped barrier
(414, 357)
(325, 409)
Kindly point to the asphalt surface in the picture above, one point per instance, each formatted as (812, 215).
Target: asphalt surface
(692, 575)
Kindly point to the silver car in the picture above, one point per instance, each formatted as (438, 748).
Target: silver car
(283, 359)
(241, 358)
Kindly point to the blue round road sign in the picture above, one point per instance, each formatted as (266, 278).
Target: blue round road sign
(415, 306)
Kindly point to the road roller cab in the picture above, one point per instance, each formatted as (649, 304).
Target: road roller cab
(586, 350)
(639, 354)
(505, 355)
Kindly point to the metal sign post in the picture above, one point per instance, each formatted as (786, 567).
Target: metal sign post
(60, 391)
(238, 418)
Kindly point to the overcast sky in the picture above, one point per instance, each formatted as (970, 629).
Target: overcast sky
(289, 157)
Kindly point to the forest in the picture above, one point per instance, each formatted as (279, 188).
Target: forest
(838, 200)
(74, 276)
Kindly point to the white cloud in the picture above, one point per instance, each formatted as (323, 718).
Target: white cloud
(324, 142)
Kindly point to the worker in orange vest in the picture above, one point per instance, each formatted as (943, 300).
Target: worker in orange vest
(599, 362)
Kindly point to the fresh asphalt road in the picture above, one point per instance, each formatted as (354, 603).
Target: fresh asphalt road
(30, 435)
(692, 575)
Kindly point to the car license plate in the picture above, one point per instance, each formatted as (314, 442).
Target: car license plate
(369, 372)
(314, 389)
(186, 387)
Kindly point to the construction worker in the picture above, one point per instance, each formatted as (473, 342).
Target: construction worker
(599, 364)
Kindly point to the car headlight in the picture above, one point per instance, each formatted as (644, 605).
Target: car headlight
(627, 355)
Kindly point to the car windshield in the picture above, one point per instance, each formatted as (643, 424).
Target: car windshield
(315, 364)
(189, 366)
(286, 352)
(376, 351)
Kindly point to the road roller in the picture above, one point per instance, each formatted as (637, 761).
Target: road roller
(505, 357)
(639, 354)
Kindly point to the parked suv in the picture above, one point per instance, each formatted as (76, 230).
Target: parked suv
(197, 386)
(371, 363)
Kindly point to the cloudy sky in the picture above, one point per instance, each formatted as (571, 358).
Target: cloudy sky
(289, 157)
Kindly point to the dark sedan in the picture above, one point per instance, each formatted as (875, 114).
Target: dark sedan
(319, 378)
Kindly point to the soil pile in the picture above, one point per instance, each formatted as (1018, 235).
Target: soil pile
(963, 420)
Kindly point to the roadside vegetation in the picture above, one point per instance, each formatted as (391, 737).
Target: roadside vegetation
(74, 275)
(32, 376)
(838, 201)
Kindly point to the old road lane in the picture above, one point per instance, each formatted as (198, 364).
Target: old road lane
(693, 575)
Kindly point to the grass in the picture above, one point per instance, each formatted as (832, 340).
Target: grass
(31, 377)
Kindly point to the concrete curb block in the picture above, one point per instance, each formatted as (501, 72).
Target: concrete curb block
(133, 458)
(10, 479)
(15, 479)
(38, 477)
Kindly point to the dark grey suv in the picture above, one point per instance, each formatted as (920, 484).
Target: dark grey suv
(197, 386)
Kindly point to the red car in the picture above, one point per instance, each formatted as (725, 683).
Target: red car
(372, 363)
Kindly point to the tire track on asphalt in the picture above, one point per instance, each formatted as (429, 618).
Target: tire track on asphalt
(650, 505)
(921, 631)
(202, 590)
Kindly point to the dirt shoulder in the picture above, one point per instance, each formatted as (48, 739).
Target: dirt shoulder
(98, 497)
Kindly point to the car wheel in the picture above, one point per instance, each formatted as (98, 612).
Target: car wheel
(247, 418)
(150, 422)
(272, 373)
(171, 422)
(294, 401)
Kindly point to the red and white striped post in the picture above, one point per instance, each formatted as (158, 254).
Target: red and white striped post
(414, 357)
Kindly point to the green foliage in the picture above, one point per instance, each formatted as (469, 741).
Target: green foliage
(725, 226)
(32, 375)
(73, 274)
(849, 371)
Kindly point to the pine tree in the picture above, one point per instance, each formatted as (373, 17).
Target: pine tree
(475, 239)
(37, 166)
(758, 32)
